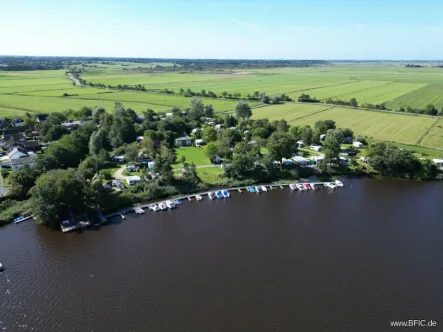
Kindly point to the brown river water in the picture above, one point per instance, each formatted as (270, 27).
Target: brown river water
(349, 260)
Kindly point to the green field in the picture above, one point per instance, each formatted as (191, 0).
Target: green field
(402, 128)
(192, 154)
(393, 84)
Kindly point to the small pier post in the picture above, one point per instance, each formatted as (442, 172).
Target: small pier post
(281, 187)
(239, 190)
(189, 198)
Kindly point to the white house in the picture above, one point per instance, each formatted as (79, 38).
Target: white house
(287, 162)
(17, 153)
(18, 163)
(300, 144)
(151, 165)
(438, 162)
(131, 180)
(316, 147)
(317, 159)
(199, 142)
(131, 168)
(301, 160)
(119, 159)
(357, 144)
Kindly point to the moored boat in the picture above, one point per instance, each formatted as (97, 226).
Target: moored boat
(212, 195)
(139, 210)
(170, 204)
(258, 189)
(226, 194)
(251, 189)
(292, 186)
(314, 186)
(154, 207)
(178, 202)
(219, 194)
(21, 218)
(264, 189)
(300, 186)
(162, 206)
(1, 267)
(307, 186)
(199, 197)
(330, 185)
(338, 183)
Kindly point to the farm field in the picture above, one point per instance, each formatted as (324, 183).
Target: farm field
(400, 128)
(428, 94)
(290, 112)
(434, 139)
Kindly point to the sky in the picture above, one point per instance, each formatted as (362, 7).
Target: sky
(228, 29)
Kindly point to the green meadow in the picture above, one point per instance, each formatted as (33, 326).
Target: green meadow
(393, 84)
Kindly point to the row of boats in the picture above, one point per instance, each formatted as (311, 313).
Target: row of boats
(217, 195)
(168, 205)
(313, 186)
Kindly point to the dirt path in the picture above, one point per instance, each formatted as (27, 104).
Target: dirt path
(118, 175)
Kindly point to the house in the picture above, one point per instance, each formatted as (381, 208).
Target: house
(120, 159)
(343, 161)
(132, 168)
(18, 122)
(131, 180)
(438, 163)
(357, 144)
(169, 115)
(316, 160)
(41, 118)
(74, 123)
(316, 147)
(199, 142)
(139, 139)
(300, 144)
(349, 153)
(17, 153)
(151, 165)
(18, 163)
(322, 137)
(300, 160)
(183, 141)
(347, 140)
(287, 162)
(107, 186)
(29, 145)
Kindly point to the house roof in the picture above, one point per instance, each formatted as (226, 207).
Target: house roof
(24, 160)
(15, 150)
(29, 144)
(183, 138)
(437, 161)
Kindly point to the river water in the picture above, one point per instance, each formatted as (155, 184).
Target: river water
(349, 260)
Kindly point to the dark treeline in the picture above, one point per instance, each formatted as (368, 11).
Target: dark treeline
(43, 63)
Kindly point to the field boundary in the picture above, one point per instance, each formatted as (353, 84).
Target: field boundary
(420, 139)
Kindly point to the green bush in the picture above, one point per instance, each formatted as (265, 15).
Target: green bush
(4, 173)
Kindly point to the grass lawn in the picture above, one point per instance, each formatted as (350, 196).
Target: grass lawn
(192, 154)
(209, 175)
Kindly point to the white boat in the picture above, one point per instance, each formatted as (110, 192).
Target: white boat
(199, 197)
(338, 183)
(264, 189)
(170, 204)
(139, 210)
(162, 206)
(1, 267)
(293, 186)
(154, 207)
(258, 189)
(212, 195)
(20, 219)
(226, 194)
(300, 187)
(330, 185)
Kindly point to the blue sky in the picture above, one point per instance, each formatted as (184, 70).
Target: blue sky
(274, 29)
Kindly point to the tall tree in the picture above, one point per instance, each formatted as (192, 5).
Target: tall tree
(196, 110)
(243, 110)
(209, 111)
(331, 149)
(281, 145)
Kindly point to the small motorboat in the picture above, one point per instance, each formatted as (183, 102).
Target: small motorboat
(300, 187)
(293, 186)
(307, 186)
(139, 210)
(219, 194)
(258, 189)
(178, 202)
(20, 219)
(264, 189)
(330, 185)
(226, 194)
(162, 206)
(154, 207)
(212, 195)
(1, 267)
(199, 197)
(314, 186)
(170, 204)
(338, 183)
(251, 189)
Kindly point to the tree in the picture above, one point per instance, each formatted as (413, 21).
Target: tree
(55, 193)
(97, 112)
(84, 113)
(331, 150)
(431, 110)
(21, 181)
(97, 141)
(209, 134)
(183, 160)
(209, 111)
(353, 102)
(122, 129)
(241, 167)
(324, 125)
(196, 110)
(163, 166)
(211, 150)
(190, 173)
(230, 121)
(243, 110)
(307, 135)
(282, 125)
(131, 152)
(428, 170)
(347, 132)
(281, 145)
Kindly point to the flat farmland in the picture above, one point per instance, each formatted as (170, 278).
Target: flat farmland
(9, 112)
(291, 112)
(428, 94)
(400, 128)
(37, 104)
(434, 139)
